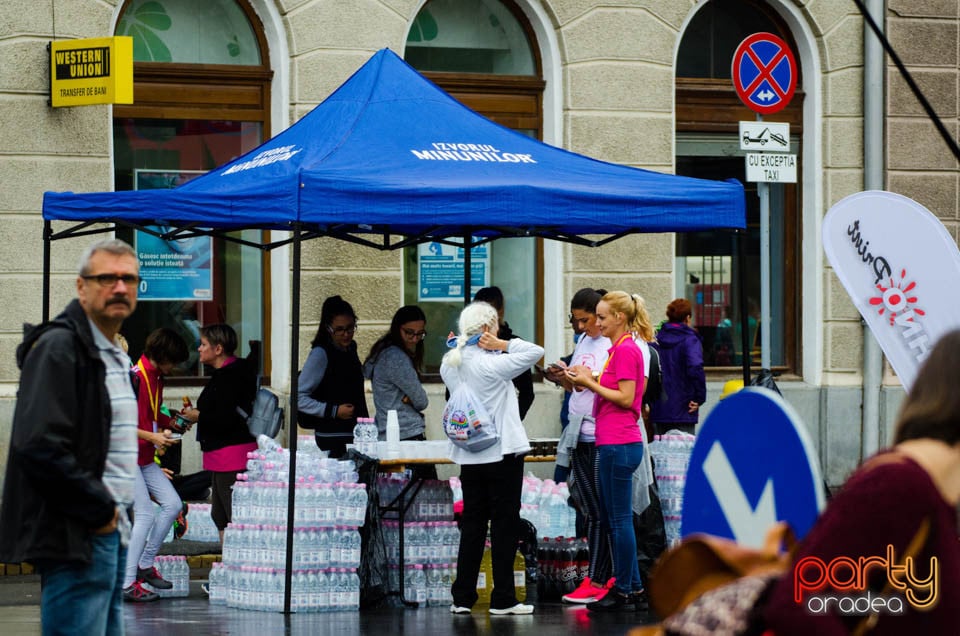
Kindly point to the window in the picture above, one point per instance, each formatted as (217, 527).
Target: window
(483, 53)
(708, 112)
(202, 98)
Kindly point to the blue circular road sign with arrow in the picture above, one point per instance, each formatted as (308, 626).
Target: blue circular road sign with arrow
(764, 73)
(753, 464)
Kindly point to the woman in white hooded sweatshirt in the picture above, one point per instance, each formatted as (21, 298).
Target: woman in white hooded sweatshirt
(492, 478)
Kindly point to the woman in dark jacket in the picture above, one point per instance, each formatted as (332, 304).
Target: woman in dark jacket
(330, 392)
(681, 362)
(221, 430)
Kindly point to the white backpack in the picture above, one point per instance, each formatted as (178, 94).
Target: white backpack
(466, 421)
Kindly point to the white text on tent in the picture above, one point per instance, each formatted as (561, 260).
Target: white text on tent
(468, 155)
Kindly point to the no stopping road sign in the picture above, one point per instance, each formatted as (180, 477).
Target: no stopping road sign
(764, 73)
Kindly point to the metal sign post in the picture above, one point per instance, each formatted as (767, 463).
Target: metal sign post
(764, 75)
(763, 190)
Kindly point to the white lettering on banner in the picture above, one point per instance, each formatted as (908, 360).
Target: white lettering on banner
(265, 158)
(894, 297)
(439, 151)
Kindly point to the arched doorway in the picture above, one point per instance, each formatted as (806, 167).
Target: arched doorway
(485, 54)
(707, 115)
(202, 97)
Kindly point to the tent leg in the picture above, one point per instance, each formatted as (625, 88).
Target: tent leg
(47, 233)
(292, 412)
(741, 238)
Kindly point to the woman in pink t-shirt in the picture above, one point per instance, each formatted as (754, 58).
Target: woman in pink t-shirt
(619, 390)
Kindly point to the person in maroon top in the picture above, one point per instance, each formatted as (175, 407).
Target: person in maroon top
(906, 495)
(163, 349)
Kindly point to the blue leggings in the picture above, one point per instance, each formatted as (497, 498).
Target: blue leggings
(616, 464)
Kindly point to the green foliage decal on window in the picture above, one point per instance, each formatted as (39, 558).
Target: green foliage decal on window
(424, 28)
(143, 25)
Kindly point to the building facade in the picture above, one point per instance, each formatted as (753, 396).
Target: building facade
(644, 83)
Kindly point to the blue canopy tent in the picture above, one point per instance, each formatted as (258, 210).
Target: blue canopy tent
(390, 160)
(389, 153)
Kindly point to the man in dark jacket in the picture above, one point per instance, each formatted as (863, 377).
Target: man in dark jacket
(681, 362)
(73, 450)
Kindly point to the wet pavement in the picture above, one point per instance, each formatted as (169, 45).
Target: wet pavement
(194, 616)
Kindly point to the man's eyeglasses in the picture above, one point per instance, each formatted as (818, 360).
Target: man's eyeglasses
(341, 330)
(110, 280)
(410, 333)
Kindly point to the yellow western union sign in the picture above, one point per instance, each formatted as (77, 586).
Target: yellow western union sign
(94, 71)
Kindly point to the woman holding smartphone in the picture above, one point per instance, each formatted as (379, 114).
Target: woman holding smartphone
(619, 441)
(577, 447)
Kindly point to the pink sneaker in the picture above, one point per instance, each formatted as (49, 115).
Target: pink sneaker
(586, 593)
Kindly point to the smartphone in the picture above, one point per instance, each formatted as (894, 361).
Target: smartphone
(540, 369)
(175, 436)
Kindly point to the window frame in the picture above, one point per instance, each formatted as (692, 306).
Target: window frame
(211, 92)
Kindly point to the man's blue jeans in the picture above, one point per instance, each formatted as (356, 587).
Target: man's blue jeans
(85, 599)
(616, 464)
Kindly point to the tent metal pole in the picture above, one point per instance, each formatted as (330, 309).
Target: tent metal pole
(741, 238)
(467, 266)
(292, 413)
(45, 303)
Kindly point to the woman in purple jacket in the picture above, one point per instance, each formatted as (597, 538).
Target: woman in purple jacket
(681, 361)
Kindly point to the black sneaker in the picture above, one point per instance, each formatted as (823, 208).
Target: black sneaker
(136, 593)
(151, 576)
(612, 601)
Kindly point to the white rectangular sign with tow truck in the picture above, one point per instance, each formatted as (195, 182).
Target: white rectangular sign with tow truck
(764, 135)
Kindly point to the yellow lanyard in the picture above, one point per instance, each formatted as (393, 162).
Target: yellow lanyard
(613, 351)
(154, 400)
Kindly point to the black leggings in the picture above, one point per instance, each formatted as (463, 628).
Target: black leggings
(583, 463)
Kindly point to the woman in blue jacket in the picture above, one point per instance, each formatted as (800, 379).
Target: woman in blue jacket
(681, 362)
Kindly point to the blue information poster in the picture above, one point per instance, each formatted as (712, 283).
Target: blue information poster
(440, 270)
(176, 269)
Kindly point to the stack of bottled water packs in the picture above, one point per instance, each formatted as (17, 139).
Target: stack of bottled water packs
(430, 540)
(544, 504)
(671, 457)
(329, 507)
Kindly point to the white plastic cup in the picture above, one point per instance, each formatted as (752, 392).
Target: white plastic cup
(393, 434)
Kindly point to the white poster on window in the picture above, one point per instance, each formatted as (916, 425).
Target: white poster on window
(900, 266)
(440, 271)
(172, 269)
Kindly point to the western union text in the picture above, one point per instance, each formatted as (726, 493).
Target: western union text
(83, 63)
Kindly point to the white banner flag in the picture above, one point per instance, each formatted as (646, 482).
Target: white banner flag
(901, 268)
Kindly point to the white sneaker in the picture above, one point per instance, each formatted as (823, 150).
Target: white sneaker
(459, 609)
(519, 608)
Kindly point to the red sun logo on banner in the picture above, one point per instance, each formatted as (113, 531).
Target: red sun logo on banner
(896, 299)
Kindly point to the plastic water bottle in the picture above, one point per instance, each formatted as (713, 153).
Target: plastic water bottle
(359, 435)
(319, 585)
(353, 589)
(217, 584)
(415, 584)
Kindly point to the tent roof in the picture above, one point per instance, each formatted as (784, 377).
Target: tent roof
(390, 153)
